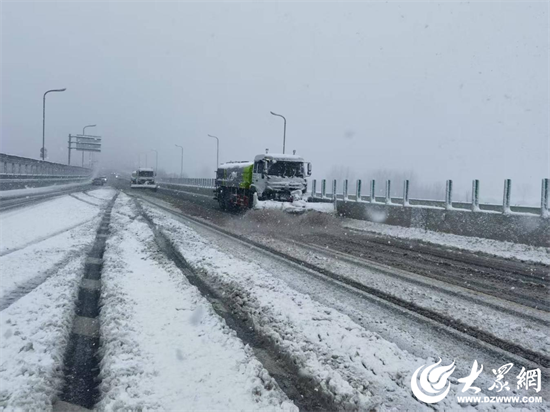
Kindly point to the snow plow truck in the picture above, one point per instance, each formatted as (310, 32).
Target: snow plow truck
(269, 176)
(143, 178)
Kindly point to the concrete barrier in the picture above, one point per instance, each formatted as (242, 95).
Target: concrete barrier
(18, 172)
(23, 166)
(513, 227)
(519, 224)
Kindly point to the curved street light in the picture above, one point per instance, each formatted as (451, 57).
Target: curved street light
(43, 154)
(181, 167)
(284, 130)
(85, 127)
(217, 150)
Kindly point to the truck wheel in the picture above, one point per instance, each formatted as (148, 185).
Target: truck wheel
(250, 195)
(221, 201)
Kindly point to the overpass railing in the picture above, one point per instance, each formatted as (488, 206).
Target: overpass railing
(17, 166)
(356, 194)
(205, 182)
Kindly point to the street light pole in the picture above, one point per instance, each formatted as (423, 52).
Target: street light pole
(284, 131)
(217, 150)
(85, 127)
(84, 133)
(156, 161)
(181, 167)
(43, 154)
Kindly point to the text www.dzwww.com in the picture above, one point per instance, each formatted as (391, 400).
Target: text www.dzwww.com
(499, 399)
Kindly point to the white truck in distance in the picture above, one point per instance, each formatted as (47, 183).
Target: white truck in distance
(143, 178)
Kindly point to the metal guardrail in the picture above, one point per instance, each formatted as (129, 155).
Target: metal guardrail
(9, 176)
(11, 166)
(405, 200)
(189, 181)
(447, 204)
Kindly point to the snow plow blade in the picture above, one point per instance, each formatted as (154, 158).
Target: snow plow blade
(296, 207)
(151, 187)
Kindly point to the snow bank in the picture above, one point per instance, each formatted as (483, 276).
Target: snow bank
(503, 249)
(35, 331)
(294, 207)
(299, 205)
(164, 348)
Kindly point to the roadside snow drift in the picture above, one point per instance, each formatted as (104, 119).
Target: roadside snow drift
(163, 347)
(298, 205)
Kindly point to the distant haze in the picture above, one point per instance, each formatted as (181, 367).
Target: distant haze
(441, 90)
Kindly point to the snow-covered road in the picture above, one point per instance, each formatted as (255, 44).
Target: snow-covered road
(169, 343)
(163, 346)
(472, 244)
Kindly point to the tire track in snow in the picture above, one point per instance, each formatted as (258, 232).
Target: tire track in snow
(81, 366)
(405, 276)
(82, 200)
(14, 295)
(43, 238)
(302, 390)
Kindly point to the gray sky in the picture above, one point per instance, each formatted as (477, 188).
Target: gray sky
(448, 90)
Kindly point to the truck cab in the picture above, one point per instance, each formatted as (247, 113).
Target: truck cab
(144, 177)
(276, 176)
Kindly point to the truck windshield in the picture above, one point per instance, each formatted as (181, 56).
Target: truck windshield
(146, 174)
(286, 169)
